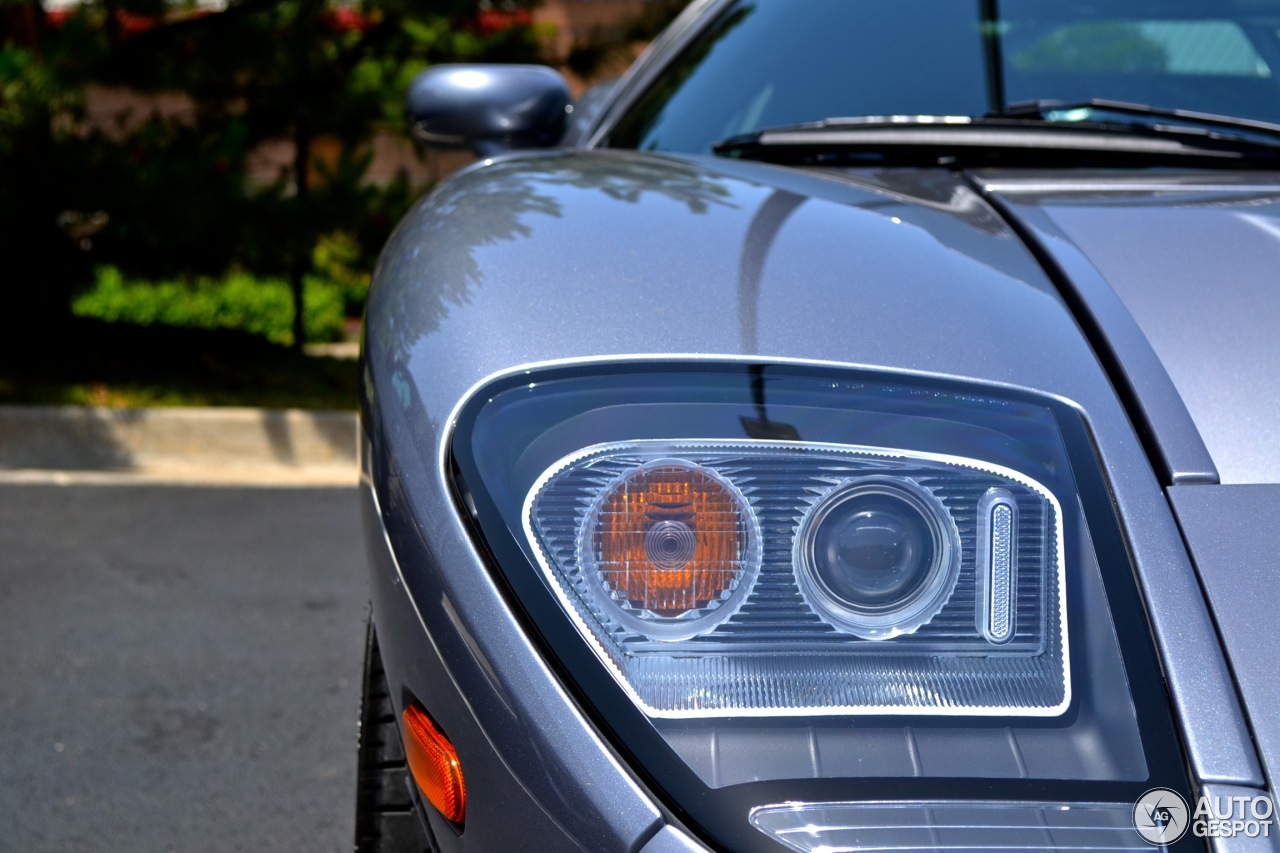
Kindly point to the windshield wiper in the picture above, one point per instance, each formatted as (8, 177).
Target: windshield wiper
(1048, 109)
(1020, 138)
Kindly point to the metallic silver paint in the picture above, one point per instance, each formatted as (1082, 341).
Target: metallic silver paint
(1233, 533)
(534, 766)
(1178, 446)
(1241, 843)
(528, 259)
(1196, 268)
(672, 840)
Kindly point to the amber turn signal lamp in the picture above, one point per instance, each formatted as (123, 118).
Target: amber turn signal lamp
(670, 539)
(434, 764)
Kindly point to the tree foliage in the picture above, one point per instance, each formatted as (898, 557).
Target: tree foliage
(169, 195)
(1094, 47)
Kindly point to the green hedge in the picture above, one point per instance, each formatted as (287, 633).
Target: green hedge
(260, 306)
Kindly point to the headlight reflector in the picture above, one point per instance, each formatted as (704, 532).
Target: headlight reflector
(753, 578)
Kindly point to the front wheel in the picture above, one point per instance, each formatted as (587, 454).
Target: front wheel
(387, 819)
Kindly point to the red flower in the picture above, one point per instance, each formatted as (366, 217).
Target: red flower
(490, 21)
(346, 19)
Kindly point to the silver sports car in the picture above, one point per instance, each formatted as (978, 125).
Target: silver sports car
(855, 428)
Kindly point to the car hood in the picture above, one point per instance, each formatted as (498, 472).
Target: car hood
(591, 254)
(529, 259)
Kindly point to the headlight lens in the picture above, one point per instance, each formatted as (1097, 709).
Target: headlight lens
(863, 599)
(878, 556)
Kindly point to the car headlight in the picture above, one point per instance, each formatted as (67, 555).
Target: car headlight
(719, 577)
(791, 591)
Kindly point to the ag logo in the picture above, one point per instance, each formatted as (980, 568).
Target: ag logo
(1160, 816)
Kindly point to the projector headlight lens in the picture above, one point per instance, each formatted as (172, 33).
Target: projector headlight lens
(878, 556)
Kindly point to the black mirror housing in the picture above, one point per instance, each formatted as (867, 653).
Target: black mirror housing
(488, 108)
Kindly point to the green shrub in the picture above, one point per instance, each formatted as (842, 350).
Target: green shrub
(236, 301)
(337, 259)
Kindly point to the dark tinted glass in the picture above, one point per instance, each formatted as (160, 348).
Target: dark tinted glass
(766, 63)
(1207, 56)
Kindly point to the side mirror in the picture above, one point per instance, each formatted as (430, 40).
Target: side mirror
(489, 108)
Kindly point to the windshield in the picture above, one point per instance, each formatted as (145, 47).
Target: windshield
(769, 63)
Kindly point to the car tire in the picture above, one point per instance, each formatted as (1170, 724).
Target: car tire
(387, 819)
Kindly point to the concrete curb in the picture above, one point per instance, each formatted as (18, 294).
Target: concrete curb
(215, 444)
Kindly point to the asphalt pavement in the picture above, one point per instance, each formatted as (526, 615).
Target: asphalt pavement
(179, 666)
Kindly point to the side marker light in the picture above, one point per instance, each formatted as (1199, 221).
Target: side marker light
(434, 764)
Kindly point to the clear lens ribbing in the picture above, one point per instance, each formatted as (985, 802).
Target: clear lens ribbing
(780, 651)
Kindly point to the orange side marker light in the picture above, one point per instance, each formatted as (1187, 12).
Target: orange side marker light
(434, 764)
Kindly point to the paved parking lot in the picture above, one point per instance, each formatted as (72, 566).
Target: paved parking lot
(179, 667)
